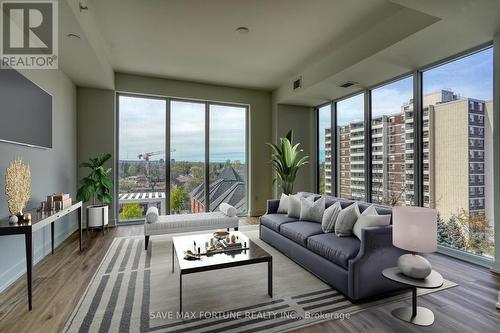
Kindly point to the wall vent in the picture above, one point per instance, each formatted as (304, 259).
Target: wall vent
(348, 84)
(297, 83)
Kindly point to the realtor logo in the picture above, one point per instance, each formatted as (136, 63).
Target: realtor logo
(29, 38)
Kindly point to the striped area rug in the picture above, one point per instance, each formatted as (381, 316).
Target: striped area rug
(135, 291)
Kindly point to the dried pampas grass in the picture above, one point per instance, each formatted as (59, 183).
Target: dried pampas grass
(17, 185)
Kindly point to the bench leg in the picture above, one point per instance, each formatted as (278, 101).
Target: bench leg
(236, 229)
(146, 242)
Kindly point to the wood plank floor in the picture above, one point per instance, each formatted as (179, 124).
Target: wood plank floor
(60, 280)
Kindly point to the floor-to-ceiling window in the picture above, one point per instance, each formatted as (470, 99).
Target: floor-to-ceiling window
(187, 157)
(164, 146)
(227, 158)
(457, 154)
(393, 143)
(325, 149)
(141, 163)
(351, 148)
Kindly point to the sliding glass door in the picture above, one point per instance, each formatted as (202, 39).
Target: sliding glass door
(170, 149)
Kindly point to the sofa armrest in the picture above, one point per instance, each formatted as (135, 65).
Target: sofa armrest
(272, 206)
(375, 254)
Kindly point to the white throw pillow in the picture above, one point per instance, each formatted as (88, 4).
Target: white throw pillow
(366, 221)
(345, 221)
(152, 215)
(312, 210)
(227, 209)
(283, 206)
(330, 217)
(294, 206)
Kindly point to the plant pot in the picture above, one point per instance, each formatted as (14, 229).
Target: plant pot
(97, 216)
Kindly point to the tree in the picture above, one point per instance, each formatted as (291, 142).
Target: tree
(132, 170)
(178, 199)
(131, 211)
(477, 230)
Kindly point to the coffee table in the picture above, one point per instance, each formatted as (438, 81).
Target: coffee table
(254, 254)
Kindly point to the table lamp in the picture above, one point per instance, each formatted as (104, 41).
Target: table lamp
(414, 229)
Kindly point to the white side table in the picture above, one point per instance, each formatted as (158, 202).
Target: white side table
(417, 315)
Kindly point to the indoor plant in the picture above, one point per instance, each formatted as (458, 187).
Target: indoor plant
(286, 162)
(97, 186)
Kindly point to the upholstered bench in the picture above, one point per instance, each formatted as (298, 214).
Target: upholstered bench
(171, 224)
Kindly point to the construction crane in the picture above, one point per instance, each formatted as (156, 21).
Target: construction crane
(146, 156)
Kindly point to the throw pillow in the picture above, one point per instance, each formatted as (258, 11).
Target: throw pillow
(312, 211)
(294, 206)
(371, 210)
(330, 217)
(283, 206)
(345, 221)
(366, 221)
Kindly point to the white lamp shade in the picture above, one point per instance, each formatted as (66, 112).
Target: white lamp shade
(414, 229)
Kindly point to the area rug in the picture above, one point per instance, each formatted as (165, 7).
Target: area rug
(135, 290)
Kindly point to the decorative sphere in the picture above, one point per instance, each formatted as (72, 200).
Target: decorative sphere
(414, 266)
(13, 219)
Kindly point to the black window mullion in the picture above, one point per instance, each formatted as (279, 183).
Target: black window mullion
(334, 152)
(418, 114)
(368, 146)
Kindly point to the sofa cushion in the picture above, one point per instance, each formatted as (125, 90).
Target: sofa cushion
(274, 221)
(345, 221)
(336, 249)
(283, 206)
(300, 231)
(330, 217)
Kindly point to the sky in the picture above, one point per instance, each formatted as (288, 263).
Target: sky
(471, 76)
(143, 129)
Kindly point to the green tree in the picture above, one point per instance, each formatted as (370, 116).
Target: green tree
(132, 170)
(131, 211)
(178, 199)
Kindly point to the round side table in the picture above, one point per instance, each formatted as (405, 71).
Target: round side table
(417, 315)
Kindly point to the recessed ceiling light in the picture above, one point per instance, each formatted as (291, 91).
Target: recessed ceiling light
(242, 30)
(75, 36)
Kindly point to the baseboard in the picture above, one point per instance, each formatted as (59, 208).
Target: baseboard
(495, 268)
(16, 271)
(466, 256)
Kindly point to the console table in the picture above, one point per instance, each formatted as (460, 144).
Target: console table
(38, 221)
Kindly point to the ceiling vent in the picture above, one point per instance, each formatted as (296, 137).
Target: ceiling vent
(348, 84)
(297, 84)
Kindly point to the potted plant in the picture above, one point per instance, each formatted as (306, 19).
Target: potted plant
(97, 186)
(286, 162)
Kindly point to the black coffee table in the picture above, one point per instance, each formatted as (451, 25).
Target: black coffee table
(254, 254)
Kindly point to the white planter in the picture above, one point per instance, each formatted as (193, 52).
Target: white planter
(96, 215)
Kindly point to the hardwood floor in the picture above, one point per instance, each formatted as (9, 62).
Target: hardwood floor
(60, 280)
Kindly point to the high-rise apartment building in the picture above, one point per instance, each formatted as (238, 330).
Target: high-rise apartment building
(454, 155)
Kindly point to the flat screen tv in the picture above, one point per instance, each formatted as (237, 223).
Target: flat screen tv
(25, 111)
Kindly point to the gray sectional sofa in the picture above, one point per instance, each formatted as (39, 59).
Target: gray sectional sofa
(352, 266)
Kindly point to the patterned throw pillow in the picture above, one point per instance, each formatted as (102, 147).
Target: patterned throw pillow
(294, 206)
(345, 221)
(283, 206)
(312, 210)
(330, 217)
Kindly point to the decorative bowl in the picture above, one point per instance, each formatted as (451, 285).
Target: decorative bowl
(221, 234)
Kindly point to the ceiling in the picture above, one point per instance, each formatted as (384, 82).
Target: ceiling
(326, 42)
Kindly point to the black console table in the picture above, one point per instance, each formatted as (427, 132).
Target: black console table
(38, 221)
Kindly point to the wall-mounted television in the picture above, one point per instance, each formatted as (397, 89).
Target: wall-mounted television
(25, 111)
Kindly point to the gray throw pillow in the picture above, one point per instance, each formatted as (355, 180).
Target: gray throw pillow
(294, 206)
(283, 206)
(366, 221)
(345, 221)
(371, 210)
(312, 210)
(330, 217)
